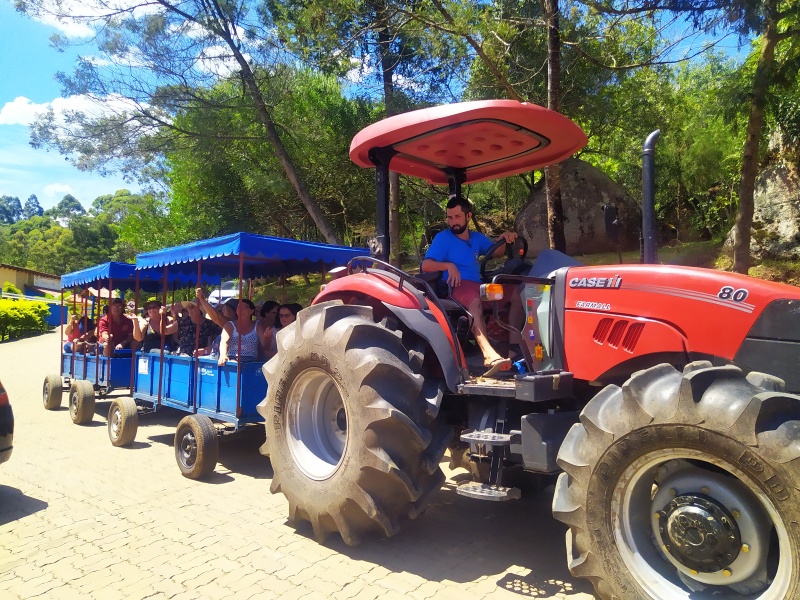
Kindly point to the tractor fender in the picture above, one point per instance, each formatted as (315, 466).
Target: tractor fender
(410, 306)
(424, 324)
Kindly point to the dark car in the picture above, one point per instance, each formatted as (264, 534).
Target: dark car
(6, 425)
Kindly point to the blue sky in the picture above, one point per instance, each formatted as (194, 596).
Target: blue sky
(28, 65)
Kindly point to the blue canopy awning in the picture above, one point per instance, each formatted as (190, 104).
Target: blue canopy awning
(122, 275)
(263, 256)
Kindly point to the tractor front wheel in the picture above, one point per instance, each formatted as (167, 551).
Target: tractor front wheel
(685, 485)
(350, 425)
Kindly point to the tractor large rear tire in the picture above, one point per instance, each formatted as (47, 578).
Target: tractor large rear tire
(685, 485)
(350, 422)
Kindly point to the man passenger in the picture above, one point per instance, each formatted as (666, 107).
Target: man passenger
(115, 330)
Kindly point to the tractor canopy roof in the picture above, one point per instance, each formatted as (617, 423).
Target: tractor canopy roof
(484, 140)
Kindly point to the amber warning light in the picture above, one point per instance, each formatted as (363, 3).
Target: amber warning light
(491, 291)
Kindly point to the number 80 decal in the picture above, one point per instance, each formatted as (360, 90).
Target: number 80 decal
(729, 293)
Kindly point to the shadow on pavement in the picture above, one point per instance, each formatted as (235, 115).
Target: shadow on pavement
(238, 453)
(461, 540)
(15, 505)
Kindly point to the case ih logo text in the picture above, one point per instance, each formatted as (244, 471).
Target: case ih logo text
(596, 282)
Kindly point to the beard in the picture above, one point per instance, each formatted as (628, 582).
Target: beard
(458, 229)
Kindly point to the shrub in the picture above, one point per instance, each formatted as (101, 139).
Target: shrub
(10, 288)
(19, 318)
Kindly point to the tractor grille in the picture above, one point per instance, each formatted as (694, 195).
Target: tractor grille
(632, 337)
(617, 333)
(615, 337)
(603, 327)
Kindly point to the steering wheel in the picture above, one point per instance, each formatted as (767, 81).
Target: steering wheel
(515, 264)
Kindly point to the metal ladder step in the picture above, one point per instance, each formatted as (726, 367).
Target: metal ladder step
(484, 491)
(487, 438)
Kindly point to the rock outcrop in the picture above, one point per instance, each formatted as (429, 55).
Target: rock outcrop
(585, 190)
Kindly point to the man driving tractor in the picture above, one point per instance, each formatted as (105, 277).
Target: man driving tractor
(457, 251)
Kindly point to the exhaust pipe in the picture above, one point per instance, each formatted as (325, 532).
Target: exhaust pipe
(649, 246)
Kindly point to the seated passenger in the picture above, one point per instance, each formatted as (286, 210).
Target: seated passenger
(266, 326)
(80, 332)
(115, 330)
(242, 331)
(148, 330)
(189, 317)
(287, 313)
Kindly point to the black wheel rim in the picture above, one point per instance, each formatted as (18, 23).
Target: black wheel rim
(187, 453)
(73, 405)
(46, 393)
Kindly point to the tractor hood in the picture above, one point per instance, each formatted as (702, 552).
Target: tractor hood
(485, 140)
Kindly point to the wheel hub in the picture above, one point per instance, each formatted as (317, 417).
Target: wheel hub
(317, 422)
(699, 533)
(116, 420)
(189, 449)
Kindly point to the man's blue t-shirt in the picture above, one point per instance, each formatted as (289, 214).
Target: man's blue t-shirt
(448, 247)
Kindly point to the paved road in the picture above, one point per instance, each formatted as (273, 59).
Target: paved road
(82, 519)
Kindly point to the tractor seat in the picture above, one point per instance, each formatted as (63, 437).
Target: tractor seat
(442, 290)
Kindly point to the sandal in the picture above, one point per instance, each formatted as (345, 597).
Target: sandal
(501, 364)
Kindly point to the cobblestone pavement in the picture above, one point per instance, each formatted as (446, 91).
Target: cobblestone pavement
(82, 519)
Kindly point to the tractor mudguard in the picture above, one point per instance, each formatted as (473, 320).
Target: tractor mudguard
(424, 324)
(410, 306)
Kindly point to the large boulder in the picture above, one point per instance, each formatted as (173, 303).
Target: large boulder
(585, 190)
(776, 213)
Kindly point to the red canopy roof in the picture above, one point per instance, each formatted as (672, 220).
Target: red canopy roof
(488, 138)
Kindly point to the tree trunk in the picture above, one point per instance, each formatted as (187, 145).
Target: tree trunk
(552, 174)
(747, 181)
(264, 116)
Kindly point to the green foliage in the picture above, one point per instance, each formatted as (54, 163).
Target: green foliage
(115, 229)
(32, 208)
(10, 209)
(68, 208)
(10, 288)
(19, 318)
(228, 180)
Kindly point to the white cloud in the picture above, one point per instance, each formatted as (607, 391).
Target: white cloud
(218, 61)
(54, 192)
(22, 111)
(19, 111)
(78, 18)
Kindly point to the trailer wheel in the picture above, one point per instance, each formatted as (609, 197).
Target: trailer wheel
(52, 391)
(350, 422)
(81, 401)
(685, 485)
(196, 446)
(123, 421)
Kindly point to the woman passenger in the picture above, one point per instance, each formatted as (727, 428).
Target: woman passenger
(287, 313)
(148, 330)
(241, 331)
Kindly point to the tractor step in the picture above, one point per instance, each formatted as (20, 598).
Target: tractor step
(484, 491)
(488, 438)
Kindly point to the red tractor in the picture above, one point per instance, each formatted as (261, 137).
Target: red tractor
(664, 395)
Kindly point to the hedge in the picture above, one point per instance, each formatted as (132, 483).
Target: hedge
(19, 318)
